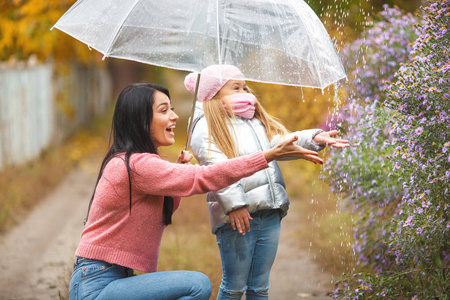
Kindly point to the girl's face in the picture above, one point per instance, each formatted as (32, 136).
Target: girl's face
(163, 122)
(233, 87)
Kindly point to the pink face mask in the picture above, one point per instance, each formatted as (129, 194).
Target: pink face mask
(243, 104)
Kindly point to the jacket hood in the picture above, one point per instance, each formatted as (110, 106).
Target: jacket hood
(198, 110)
(198, 114)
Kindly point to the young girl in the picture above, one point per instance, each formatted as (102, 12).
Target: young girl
(229, 124)
(130, 207)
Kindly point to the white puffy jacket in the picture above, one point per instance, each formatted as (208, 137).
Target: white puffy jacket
(262, 190)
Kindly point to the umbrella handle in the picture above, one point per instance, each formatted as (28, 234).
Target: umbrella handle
(191, 123)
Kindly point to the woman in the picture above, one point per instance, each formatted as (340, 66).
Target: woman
(131, 206)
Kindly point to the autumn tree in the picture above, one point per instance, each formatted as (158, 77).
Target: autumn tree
(25, 30)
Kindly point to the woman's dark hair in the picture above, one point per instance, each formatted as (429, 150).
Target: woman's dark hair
(130, 133)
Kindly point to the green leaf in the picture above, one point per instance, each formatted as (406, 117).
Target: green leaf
(438, 261)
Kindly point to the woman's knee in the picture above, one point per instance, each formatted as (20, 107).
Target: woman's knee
(200, 286)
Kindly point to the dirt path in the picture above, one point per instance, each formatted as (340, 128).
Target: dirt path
(295, 275)
(37, 255)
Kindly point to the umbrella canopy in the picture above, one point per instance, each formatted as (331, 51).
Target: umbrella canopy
(272, 41)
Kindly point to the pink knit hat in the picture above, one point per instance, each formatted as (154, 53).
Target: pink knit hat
(212, 79)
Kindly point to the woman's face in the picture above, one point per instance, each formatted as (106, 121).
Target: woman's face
(164, 120)
(233, 87)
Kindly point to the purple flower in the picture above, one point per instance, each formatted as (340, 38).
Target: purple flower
(419, 130)
(409, 222)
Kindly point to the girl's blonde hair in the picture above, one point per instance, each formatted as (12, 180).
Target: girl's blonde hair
(220, 120)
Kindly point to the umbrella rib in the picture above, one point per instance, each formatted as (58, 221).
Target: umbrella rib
(218, 39)
(66, 13)
(313, 50)
(118, 29)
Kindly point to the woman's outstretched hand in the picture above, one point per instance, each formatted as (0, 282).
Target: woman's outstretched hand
(289, 149)
(184, 158)
(326, 139)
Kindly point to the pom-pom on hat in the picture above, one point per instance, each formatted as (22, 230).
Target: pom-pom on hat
(212, 79)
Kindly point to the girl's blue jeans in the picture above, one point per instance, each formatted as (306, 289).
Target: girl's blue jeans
(247, 259)
(95, 279)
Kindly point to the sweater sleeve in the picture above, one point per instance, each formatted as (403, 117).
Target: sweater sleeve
(155, 176)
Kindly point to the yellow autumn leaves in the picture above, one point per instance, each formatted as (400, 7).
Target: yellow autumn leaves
(25, 31)
(300, 108)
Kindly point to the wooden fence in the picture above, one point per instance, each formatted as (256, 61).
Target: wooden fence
(41, 105)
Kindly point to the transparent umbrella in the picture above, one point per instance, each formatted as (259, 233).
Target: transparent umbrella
(272, 41)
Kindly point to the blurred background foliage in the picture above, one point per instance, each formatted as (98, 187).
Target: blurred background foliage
(25, 31)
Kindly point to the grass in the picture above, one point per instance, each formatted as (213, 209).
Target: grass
(188, 244)
(22, 187)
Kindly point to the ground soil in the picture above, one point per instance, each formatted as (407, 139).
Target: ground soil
(295, 274)
(37, 254)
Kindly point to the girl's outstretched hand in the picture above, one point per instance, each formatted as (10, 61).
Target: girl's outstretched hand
(239, 219)
(289, 149)
(326, 139)
(184, 158)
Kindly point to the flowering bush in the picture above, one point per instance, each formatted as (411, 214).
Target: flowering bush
(397, 173)
(421, 129)
(359, 172)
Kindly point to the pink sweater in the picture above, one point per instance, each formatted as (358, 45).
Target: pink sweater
(113, 235)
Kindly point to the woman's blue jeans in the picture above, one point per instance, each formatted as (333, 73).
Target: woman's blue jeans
(247, 259)
(95, 279)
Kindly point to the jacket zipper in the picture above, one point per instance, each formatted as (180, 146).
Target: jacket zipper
(266, 170)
